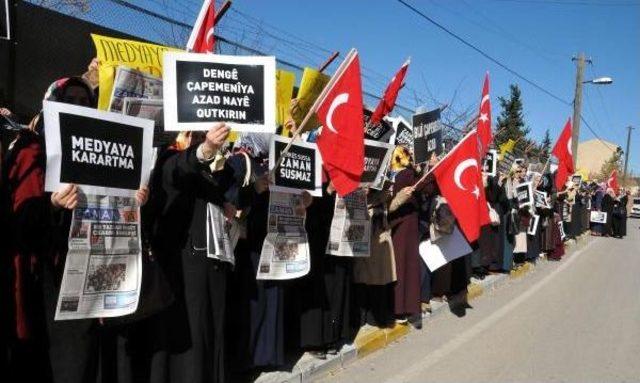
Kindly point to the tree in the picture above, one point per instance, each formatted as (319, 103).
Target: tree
(511, 123)
(613, 163)
(545, 146)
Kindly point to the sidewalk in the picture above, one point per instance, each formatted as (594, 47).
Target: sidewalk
(371, 339)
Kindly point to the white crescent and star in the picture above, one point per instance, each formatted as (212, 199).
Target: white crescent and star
(457, 174)
(569, 145)
(340, 99)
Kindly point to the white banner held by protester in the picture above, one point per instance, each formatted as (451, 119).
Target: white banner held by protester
(133, 83)
(598, 217)
(103, 268)
(285, 250)
(300, 169)
(104, 153)
(444, 250)
(351, 226)
(200, 89)
(377, 156)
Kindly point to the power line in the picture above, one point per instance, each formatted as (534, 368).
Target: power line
(500, 64)
(587, 3)
(483, 53)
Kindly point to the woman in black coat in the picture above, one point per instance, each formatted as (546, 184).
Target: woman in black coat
(607, 207)
(185, 342)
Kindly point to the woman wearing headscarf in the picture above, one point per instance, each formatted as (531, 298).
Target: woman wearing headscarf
(491, 236)
(519, 218)
(185, 342)
(403, 218)
(619, 216)
(30, 238)
(324, 298)
(258, 305)
(598, 229)
(607, 207)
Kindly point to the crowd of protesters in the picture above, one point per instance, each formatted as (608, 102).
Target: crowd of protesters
(213, 322)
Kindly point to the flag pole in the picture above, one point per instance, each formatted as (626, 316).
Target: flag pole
(223, 9)
(424, 176)
(316, 103)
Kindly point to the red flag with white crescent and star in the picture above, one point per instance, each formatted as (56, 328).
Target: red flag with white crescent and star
(459, 177)
(341, 140)
(484, 119)
(562, 151)
(202, 39)
(612, 182)
(390, 95)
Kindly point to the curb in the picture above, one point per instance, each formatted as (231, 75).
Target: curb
(371, 339)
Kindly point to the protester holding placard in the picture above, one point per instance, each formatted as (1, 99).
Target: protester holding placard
(403, 217)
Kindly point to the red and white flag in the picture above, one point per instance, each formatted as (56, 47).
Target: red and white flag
(202, 39)
(341, 141)
(459, 177)
(484, 119)
(612, 182)
(390, 94)
(562, 151)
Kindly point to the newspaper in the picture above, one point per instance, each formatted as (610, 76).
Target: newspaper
(103, 270)
(285, 251)
(129, 82)
(350, 227)
(220, 235)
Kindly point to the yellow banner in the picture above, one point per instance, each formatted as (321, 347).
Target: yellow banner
(584, 173)
(507, 147)
(112, 52)
(311, 86)
(284, 92)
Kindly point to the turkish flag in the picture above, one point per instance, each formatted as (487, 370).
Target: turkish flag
(459, 177)
(484, 119)
(341, 141)
(390, 95)
(562, 151)
(612, 182)
(202, 39)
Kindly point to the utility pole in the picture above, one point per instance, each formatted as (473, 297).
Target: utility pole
(626, 155)
(577, 106)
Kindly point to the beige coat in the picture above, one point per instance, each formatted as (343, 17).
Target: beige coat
(380, 267)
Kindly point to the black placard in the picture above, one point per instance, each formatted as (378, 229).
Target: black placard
(427, 135)
(210, 92)
(377, 131)
(100, 152)
(524, 194)
(490, 162)
(373, 160)
(404, 135)
(5, 31)
(297, 170)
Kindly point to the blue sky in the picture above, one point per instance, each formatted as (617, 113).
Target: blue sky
(537, 38)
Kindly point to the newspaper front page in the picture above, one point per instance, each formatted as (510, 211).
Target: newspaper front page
(285, 251)
(103, 269)
(220, 235)
(350, 227)
(133, 83)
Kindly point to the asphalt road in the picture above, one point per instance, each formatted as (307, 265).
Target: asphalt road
(577, 320)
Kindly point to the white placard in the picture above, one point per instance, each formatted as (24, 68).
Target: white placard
(200, 89)
(116, 163)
